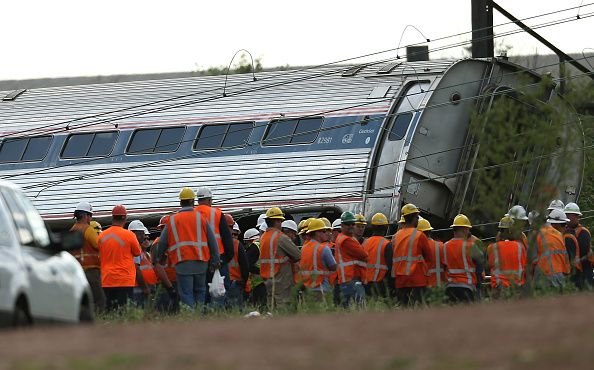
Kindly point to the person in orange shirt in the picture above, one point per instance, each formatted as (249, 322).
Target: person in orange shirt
(144, 269)
(507, 260)
(436, 271)
(552, 261)
(352, 263)
(88, 257)
(411, 252)
(118, 247)
(379, 261)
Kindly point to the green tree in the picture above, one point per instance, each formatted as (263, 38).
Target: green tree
(243, 64)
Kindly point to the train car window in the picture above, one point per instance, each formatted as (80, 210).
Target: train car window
(295, 131)
(223, 135)
(400, 127)
(25, 149)
(89, 144)
(156, 140)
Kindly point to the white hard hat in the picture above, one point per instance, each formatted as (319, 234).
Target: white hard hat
(289, 224)
(532, 216)
(264, 227)
(556, 204)
(251, 234)
(572, 208)
(84, 206)
(146, 231)
(261, 220)
(337, 224)
(557, 216)
(517, 213)
(236, 226)
(203, 192)
(136, 225)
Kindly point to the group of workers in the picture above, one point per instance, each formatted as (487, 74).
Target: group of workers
(335, 261)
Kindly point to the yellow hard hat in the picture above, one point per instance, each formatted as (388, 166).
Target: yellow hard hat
(424, 225)
(379, 219)
(360, 219)
(402, 220)
(315, 225)
(461, 220)
(326, 222)
(409, 208)
(305, 228)
(97, 226)
(187, 194)
(300, 226)
(506, 223)
(275, 212)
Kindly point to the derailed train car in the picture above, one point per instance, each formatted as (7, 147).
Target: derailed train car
(366, 138)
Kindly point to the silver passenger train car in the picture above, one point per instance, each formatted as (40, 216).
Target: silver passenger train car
(366, 138)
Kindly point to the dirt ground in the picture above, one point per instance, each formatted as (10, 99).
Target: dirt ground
(542, 333)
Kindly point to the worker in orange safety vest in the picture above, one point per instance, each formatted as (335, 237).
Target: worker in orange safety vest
(352, 263)
(436, 270)
(238, 268)
(379, 260)
(552, 261)
(584, 242)
(317, 262)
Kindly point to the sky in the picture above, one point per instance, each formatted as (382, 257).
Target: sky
(62, 38)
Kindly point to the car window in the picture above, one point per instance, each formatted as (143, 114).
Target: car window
(5, 233)
(19, 218)
(29, 224)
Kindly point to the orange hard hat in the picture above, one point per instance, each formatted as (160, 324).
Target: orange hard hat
(119, 210)
(162, 221)
(229, 219)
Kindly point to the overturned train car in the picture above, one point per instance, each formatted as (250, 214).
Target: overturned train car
(367, 139)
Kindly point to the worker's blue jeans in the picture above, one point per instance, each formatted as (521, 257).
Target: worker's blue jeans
(192, 289)
(352, 290)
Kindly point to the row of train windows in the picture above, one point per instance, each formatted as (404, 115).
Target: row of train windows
(161, 140)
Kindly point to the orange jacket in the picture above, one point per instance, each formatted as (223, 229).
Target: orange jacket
(552, 256)
(313, 271)
(88, 256)
(459, 267)
(407, 253)
(436, 271)
(118, 247)
(506, 261)
(213, 215)
(377, 266)
(234, 268)
(351, 259)
(186, 240)
(146, 268)
(269, 256)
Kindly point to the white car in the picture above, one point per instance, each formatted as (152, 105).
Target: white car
(40, 281)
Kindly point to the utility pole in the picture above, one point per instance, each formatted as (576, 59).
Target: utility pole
(482, 29)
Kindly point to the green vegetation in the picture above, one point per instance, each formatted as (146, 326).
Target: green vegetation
(242, 65)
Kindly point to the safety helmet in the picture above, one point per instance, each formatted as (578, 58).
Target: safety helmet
(506, 222)
(379, 219)
(97, 226)
(556, 204)
(163, 222)
(136, 225)
(347, 217)
(315, 225)
(146, 231)
(263, 227)
(532, 215)
(327, 223)
(275, 212)
(305, 228)
(402, 220)
(462, 221)
(409, 208)
(572, 208)
(119, 210)
(229, 219)
(187, 194)
(336, 224)
(236, 227)
(289, 224)
(85, 207)
(424, 225)
(261, 220)
(251, 234)
(360, 219)
(203, 192)
(517, 212)
(557, 216)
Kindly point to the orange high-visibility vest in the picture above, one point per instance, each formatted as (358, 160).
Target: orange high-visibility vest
(234, 268)
(146, 268)
(118, 247)
(168, 266)
(459, 267)
(348, 267)
(436, 272)
(334, 276)
(506, 261)
(552, 256)
(590, 256)
(313, 271)
(575, 261)
(407, 254)
(269, 260)
(213, 215)
(377, 266)
(88, 256)
(187, 237)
